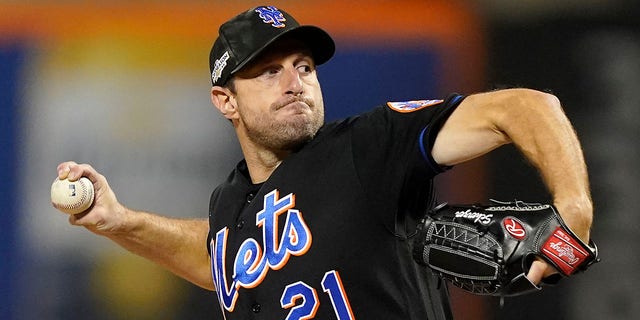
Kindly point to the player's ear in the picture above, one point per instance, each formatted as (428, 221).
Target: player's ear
(223, 99)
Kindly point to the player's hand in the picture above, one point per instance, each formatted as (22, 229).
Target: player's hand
(106, 215)
(577, 215)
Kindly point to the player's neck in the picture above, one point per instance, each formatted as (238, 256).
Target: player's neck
(262, 162)
(261, 169)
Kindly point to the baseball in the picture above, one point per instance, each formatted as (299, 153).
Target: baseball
(72, 197)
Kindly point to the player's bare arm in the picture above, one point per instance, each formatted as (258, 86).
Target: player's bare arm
(535, 122)
(175, 244)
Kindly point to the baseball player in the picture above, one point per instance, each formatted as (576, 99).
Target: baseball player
(316, 221)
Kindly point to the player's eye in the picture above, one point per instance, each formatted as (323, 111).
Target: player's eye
(305, 68)
(270, 71)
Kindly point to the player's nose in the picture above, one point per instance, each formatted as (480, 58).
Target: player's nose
(292, 81)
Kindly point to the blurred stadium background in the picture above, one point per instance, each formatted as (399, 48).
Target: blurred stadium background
(124, 86)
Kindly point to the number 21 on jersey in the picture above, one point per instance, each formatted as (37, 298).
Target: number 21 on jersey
(307, 307)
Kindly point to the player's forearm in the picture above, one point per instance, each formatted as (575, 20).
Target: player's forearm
(538, 126)
(178, 245)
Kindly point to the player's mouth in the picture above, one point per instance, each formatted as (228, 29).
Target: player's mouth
(295, 103)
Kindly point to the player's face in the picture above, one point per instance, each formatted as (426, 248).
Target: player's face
(278, 96)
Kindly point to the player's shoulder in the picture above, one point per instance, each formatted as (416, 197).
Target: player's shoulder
(384, 112)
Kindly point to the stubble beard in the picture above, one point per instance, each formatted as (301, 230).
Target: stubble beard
(287, 135)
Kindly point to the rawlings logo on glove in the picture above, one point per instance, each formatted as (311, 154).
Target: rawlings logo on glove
(488, 249)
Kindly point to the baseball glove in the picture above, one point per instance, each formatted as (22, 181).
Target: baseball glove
(488, 249)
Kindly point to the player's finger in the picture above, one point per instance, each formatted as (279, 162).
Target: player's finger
(73, 219)
(536, 271)
(80, 219)
(539, 270)
(76, 171)
(64, 169)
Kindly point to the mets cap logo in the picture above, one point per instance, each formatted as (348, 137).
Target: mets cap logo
(413, 105)
(271, 15)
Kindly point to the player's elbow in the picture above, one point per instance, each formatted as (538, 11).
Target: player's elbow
(517, 107)
(207, 286)
(203, 281)
(530, 100)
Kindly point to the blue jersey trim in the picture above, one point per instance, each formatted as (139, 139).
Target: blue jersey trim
(424, 133)
(421, 141)
(423, 150)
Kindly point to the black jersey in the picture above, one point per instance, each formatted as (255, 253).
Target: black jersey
(326, 236)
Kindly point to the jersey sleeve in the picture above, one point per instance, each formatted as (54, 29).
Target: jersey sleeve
(399, 132)
(392, 153)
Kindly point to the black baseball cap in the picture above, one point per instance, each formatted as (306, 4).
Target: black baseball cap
(245, 36)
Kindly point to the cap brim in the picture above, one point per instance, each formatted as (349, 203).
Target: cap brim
(319, 42)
